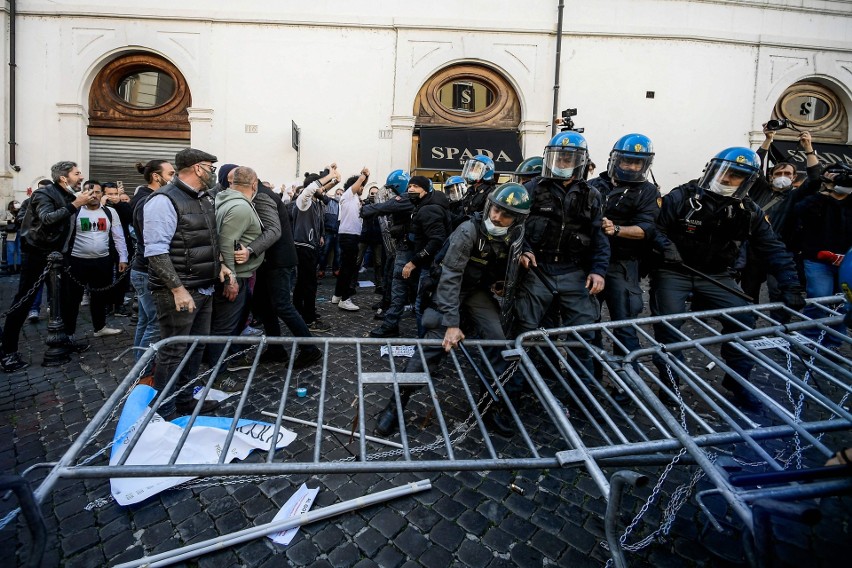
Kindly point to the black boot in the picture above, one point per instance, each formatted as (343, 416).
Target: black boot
(742, 397)
(387, 422)
(499, 421)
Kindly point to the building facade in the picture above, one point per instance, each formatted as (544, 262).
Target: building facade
(409, 85)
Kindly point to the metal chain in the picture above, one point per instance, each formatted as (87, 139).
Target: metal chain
(121, 276)
(30, 293)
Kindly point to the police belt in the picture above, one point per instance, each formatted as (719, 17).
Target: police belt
(557, 258)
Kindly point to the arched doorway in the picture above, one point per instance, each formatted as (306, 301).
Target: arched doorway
(460, 111)
(137, 112)
(816, 108)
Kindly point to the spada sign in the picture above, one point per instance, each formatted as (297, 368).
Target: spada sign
(449, 148)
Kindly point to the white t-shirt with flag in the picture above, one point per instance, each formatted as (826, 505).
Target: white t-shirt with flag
(92, 234)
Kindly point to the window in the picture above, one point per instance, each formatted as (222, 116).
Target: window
(815, 108)
(146, 89)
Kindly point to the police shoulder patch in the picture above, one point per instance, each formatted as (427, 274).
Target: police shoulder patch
(659, 202)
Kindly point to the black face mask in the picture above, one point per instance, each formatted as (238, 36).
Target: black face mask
(415, 198)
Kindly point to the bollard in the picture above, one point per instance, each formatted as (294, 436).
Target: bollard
(57, 342)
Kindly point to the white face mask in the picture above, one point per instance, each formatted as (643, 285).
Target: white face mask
(841, 190)
(726, 190)
(782, 182)
(494, 230)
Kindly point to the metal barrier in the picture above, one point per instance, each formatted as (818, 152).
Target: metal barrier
(584, 407)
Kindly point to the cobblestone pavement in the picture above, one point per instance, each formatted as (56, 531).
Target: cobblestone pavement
(467, 519)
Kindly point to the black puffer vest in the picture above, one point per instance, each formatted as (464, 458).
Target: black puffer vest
(194, 249)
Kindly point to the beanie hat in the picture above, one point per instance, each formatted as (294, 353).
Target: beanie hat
(190, 156)
(421, 181)
(223, 174)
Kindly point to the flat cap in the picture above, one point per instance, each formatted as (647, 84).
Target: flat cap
(190, 156)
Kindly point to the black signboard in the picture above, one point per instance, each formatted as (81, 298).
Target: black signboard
(296, 131)
(449, 148)
(828, 154)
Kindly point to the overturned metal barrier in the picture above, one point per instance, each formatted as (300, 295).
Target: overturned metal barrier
(583, 407)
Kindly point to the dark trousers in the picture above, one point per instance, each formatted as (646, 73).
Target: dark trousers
(669, 292)
(227, 318)
(272, 300)
(623, 298)
(33, 263)
(96, 273)
(347, 279)
(305, 292)
(173, 323)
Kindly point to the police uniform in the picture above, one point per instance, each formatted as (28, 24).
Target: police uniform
(708, 230)
(627, 205)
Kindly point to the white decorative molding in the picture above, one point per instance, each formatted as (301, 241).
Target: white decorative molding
(403, 122)
(780, 65)
(422, 49)
(84, 37)
(188, 42)
(71, 110)
(525, 54)
(845, 65)
(197, 114)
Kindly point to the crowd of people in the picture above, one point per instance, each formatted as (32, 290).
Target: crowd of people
(206, 254)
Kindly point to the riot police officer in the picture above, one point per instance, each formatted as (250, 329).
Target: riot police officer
(455, 187)
(564, 239)
(472, 268)
(630, 213)
(479, 174)
(701, 226)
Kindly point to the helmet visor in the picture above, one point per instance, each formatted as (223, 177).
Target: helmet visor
(628, 167)
(473, 171)
(728, 179)
(455, 191)
(566, 162)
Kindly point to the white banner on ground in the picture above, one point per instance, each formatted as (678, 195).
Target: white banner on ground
(159, 439)
(398, 351)
(296, 505)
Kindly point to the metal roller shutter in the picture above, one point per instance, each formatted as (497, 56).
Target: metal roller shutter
(113, 159)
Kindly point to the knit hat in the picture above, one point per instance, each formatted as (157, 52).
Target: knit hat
(421, 181)
(190, 156)
(223, 174)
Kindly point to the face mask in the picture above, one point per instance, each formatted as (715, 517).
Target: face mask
(494, 230)
(841, 190)
(782, 182)
(210, 180)
(726, 190)
(414, 197)
(562, 173)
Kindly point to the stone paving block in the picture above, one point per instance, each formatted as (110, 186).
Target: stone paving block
(79, 540)
(117, 544)
(389, 557)
(344, 556)
(302, 552)
(222, 506)
(253, 553)
(257, 505)
(546, 543)
(183, 510)
(447, 534)
(155, 534)
(435, 556)
(149, 514)
(366, 563)
(91, 557)
(472, 553)
(473, 522)
(493, 490)
(388, 523)
(328, 538)
(232, 522)
(493, 511)
(411, 542)
(223, 559)
(449, 508)
(370, 541)
(525, 556)
(518, 528)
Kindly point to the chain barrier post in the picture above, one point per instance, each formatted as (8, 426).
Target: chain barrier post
(4, 263)
(57, 342)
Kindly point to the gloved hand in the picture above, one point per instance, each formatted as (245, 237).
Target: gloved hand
(794, 297)
(830, 257)
(672, 255)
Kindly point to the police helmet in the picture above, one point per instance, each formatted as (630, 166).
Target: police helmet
(528, 169)
(630, 159)
(398, 181)
(478, 168)
(731, 173)
(565, 156)
(455, 188)
(511, 198)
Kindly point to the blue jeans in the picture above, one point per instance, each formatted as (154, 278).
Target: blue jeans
(147, 328)
(226, 319)
(821, 280)
(399, 289)
(331, 245)
(13, 253)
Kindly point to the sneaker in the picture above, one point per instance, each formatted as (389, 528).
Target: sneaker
(380, 314)
(85, 301)
(335, 299)
(106, 332)
(13, 362)
(742, 397)
(348, 305)
(318, 326)
(384, 331)
(307, 356)
(231, 384)
(33, 316)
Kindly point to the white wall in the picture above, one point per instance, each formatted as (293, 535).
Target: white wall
(344, 70)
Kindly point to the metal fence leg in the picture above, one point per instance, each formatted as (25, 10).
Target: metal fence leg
(32, 514)
(613, 506)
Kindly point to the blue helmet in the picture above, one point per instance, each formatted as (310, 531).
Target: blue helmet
(565, 156)
(455, 188)
(478, 168)
(398, 181)
(630, 159)
(731, 173)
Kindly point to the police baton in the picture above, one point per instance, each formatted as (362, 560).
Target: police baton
(712, 280)
(544, 280)
(478, 372)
